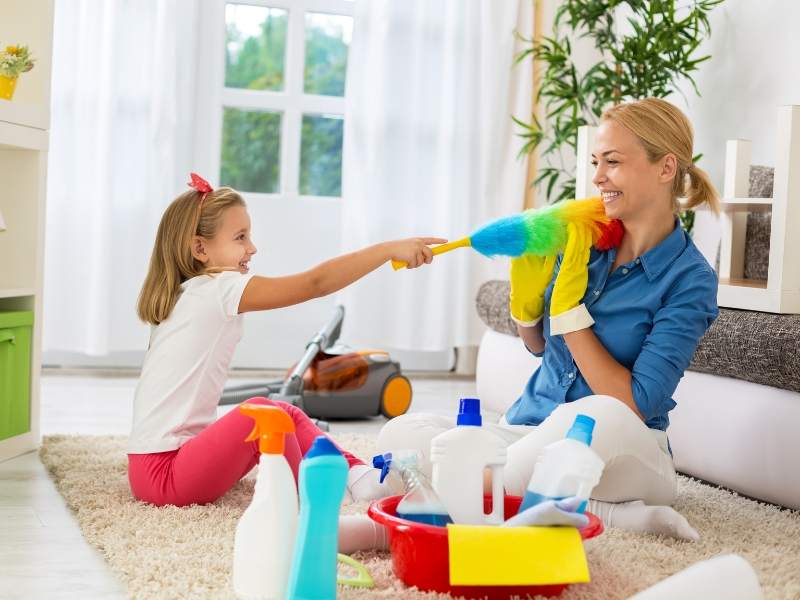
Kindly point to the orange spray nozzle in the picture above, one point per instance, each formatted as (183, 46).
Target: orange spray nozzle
(272, 424)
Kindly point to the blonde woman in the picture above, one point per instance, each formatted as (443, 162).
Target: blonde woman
(616, 329)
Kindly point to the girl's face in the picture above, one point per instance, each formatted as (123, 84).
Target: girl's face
(231, 247)
(630, 184)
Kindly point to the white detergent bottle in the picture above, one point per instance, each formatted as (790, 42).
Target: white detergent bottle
(459, 457)
(262, 548)
(565, 468)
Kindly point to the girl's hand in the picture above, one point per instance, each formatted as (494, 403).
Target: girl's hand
(413, 251)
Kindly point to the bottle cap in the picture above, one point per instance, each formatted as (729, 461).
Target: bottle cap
(322, 446)
(469, 412)
(272, 424)
(582, 429)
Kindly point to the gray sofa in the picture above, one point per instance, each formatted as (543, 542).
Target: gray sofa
(738, 406)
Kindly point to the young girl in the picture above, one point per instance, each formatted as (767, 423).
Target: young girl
(196, 289)
(616, 329)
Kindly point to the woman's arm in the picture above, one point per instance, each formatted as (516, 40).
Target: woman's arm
(602, 372)
(532, 337)
(689, 309)
(264, 293)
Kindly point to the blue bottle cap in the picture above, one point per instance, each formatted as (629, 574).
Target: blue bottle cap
(322, 446)
(582, 429)
(382, 462)
(469, 412)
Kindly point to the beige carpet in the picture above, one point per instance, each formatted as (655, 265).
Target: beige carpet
(186, 552)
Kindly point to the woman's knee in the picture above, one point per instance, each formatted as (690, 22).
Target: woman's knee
(412, 431)
(605, 410)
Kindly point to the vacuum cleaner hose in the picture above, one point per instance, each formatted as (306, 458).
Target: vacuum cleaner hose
(240, 394)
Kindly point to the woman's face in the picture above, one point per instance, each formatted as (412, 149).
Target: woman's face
(631, 185)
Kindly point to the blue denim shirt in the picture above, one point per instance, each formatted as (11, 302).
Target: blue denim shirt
(649, 314)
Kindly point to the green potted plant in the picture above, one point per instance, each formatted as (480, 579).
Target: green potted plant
(14, 60)
(645, 55)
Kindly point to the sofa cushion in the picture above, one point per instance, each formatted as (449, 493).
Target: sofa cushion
(758, 347)
(492, 305)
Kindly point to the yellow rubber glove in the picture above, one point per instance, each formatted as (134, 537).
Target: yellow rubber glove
(566, 312)
(530, 276)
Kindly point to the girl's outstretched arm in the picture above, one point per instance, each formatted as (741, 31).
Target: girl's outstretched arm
(263, 293)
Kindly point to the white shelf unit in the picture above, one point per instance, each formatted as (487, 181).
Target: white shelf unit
(780, 293)
(24, 124)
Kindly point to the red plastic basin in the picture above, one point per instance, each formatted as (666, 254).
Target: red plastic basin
(420, 553)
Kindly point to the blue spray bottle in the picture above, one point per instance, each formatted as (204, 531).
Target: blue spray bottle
(323, 478)
(566, 468)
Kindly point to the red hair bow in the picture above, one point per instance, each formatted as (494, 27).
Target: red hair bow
(200, 184)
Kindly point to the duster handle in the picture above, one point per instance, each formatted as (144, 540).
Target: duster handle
(440, 249)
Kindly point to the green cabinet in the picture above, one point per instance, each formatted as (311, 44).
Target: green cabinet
(15, 373)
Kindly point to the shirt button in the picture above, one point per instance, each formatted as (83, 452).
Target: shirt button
(597, 292)
(637, 261)
(571, 375)
(624, 271)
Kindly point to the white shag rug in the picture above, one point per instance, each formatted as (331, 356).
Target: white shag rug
(173, 552)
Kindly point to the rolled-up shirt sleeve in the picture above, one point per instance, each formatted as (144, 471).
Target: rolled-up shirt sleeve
(688, 311)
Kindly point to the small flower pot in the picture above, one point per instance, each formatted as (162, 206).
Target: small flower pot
(7, 87)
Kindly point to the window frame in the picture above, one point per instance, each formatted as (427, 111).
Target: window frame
(292, 102)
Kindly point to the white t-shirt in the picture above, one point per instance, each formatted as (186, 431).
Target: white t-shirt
(186, 365)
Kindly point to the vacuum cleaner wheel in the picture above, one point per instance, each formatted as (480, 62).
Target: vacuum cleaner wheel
(395, 396)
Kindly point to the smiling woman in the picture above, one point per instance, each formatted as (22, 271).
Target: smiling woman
(616, 328)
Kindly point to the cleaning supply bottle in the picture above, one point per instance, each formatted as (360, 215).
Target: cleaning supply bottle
(568, 467)
(460, 457)
(323, 478)
(262, 548)
(420, 504)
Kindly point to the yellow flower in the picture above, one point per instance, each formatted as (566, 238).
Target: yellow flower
(12, 50)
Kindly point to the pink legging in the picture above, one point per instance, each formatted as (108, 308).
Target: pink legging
(208, 465)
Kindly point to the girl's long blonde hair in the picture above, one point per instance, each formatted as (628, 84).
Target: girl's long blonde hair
(172, 262)
(663, 129)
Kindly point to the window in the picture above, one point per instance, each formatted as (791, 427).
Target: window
(283, 97)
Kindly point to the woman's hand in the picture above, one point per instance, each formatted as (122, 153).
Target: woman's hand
(566, 312)
(530, 275)
(413, 251)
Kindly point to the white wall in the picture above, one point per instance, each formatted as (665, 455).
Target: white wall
(755, 49)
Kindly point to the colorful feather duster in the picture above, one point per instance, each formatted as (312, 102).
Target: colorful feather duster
(541, 231)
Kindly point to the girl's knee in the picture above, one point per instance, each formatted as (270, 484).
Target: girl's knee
(261, 400)
(291, 409)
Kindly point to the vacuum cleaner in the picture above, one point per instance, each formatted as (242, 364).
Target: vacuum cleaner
(332, 381)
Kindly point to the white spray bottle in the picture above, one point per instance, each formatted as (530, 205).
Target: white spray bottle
(264, 542)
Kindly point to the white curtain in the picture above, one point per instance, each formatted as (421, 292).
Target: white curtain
(430, 149)
(123, 93)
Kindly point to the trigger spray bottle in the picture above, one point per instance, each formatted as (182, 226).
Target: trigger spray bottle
(262, 548)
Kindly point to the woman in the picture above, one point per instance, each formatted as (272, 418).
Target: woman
(621, 327)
